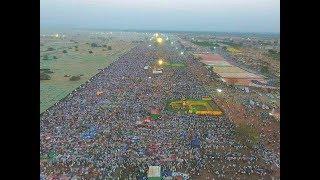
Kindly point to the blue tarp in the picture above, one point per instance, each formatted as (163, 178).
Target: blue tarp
(166, 173)
(195, 143)
(141, 151)
(135, 139)
(183, 135)
(90, 134)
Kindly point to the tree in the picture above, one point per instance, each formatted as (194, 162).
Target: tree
(94, 45)
(109, 48)
(65, 51)
(90, 52)
(55, 57)
(104, 45)
(44, 76)
(50, 49)
(45, 57)
(271, 51)
(74, 78)
(264, 69)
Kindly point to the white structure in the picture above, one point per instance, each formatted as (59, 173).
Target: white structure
(154, 172)
(157, 71)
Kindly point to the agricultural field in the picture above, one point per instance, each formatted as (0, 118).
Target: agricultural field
(79, 56)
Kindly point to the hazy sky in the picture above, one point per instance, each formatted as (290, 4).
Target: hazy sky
(193, 15)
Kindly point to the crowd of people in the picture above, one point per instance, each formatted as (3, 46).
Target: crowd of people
(90, 135)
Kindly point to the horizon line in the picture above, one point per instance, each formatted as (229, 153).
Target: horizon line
(159, 30)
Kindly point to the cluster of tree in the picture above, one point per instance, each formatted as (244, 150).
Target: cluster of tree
(233, 44)
(71, 40)
(44, 74)
(264, 70)
(205, 43)
(274, 54)
(46, 57)
(105, 46)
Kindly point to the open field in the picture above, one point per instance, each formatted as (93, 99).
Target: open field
(76, 61)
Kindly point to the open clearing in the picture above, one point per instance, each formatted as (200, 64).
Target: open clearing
(76, 61)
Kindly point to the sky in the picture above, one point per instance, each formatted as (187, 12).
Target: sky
(176, 15)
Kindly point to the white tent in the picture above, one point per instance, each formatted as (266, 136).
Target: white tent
(154, 172)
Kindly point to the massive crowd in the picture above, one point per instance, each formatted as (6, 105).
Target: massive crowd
(91, 136)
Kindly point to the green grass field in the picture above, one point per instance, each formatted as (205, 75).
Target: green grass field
(176, 65)
(195, 105)
(72, 63)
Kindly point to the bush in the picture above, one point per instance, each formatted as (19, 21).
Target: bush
(44, 76)
(273, 54)
(45, 57)
(264, 70)
(50, 49)
(94, 45)
(109, 48)
(47, 71)
(65, 51)
(74, 78)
